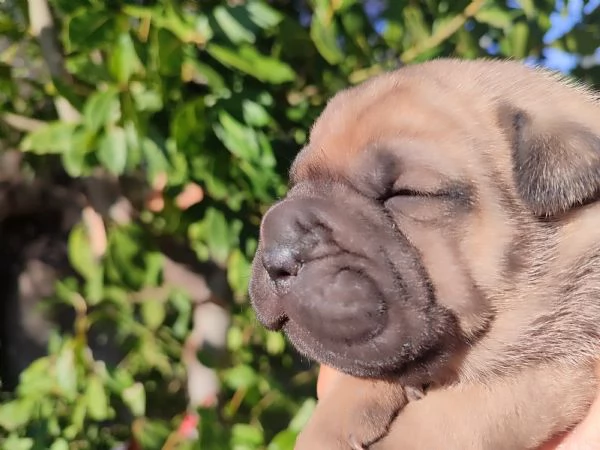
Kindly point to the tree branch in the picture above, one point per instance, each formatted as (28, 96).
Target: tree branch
(21, 123)
(442, 33)
(42, 28)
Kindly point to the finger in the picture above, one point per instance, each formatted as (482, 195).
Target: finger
(327, 379)
(587, 434)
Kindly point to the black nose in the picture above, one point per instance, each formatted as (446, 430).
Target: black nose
(280, 262)
(287, 240)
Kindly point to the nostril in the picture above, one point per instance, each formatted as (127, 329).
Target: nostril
(281, 263)
(277, 273)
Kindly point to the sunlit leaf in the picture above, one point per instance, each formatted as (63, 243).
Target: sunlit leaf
(303, 414)
(102, 108)
(97, 399)
(248, 60)
(241, 376)
(124, 61)
(495, 17)
(284, 440)
(53, 138)
(153, 313)
(112, 150)
(234, 30)
(66, 374)
(135, 398)
(14, 442)
(245, 436)
(324, 34)
(16, 413)
(81, 255)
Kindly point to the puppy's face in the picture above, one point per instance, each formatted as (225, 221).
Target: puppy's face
(404, 224)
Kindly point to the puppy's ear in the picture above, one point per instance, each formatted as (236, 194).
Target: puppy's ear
(556, 163)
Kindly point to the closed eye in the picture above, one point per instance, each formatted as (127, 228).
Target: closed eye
(408, 192)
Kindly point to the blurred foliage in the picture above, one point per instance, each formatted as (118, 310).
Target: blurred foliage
(220, 94)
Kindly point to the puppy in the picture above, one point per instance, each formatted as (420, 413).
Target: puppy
(442, 229)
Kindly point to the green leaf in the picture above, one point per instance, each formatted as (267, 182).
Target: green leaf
(90, 29)
(183, 306)
(275, 343)
(248, 60)
(16, 413)
(188, 126)
(217, 232)
(94, 287)
(154, 157)
(255, 114)
(87, 70)
(417, 28)
(267, 157)
(303, 415)
(74, 158)
(120, 380)
(35, 381)
(240, 140)
(284, 440)
(59, 444)
(232, 28)
(112, 150)
(81, 256)
(324, 34)
(152, 434)
(238, 271)
(101, 109)
(170, 53)
(53, 138)
(246, 436)
(519, 37)
(528, 7)
(78, 416)
(153, 313)
(145, 98)
(123, 258)
(235, 339)
(153, 262)
(97, 399)
(123, 60)
(240, 377)
(14, 442)
(263, 15)
(494, 16)
(66, 373)
(135, 399)
(201, 73)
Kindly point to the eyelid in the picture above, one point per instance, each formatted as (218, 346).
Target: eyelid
(411, 192)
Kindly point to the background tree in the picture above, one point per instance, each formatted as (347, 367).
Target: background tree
(140, 142)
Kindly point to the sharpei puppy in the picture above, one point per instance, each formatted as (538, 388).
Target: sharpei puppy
(442, 232)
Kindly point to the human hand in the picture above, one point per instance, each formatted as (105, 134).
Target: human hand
(586, 436)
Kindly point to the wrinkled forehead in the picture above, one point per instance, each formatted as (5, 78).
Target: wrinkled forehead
(421, 125)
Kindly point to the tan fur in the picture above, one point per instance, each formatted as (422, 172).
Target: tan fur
(527, 374)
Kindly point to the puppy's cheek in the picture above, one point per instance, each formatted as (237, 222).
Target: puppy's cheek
(456, 289)
(343, 307)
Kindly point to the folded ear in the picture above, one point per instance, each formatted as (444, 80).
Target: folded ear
(556, 162)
